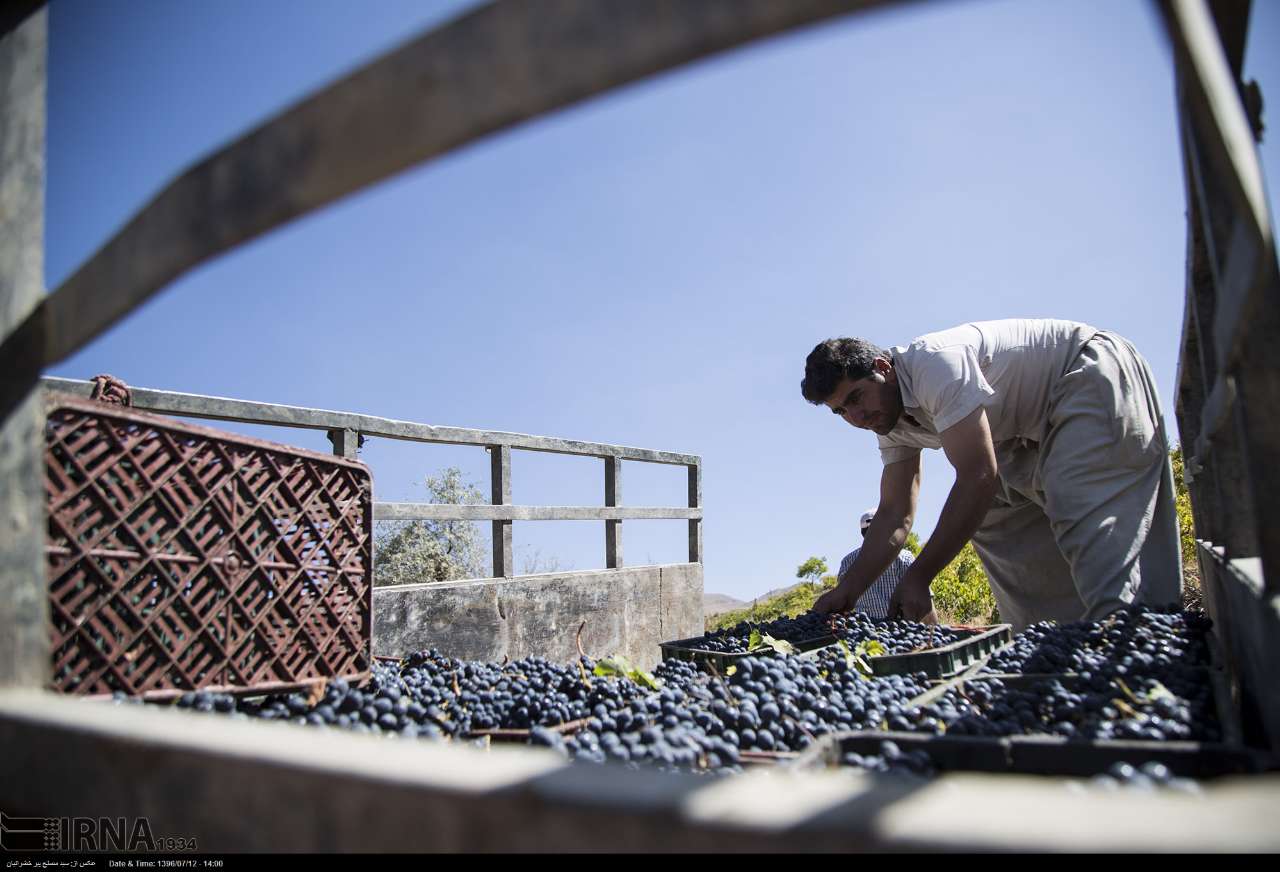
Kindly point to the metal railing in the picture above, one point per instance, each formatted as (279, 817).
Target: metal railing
(345, 431)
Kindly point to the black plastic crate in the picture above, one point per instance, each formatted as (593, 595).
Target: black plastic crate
(947, 661)
(936, 663)
(685, 649)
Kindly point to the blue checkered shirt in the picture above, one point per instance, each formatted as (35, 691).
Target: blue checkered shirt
(875, 602)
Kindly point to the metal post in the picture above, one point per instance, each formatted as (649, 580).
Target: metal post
(613, 498)
(500, 470)
(695, 502)
(24, 597)
(346, 443)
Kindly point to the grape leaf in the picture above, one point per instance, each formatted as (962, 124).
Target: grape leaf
(867, 648)
(612, 667)
(620, 667)
(731, 670)
(870, 648)
(644, 679)
(1159, 691)
(755, 640)
(782, 646)
(848, 653)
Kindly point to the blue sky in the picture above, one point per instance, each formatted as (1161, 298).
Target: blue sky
(651, 267)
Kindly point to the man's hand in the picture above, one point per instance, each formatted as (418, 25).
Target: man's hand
(913, 600)
(838, 599)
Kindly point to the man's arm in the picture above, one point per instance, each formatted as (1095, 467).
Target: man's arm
(899, 488)
(969, 449)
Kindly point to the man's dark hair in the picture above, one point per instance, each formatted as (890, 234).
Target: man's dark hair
(834, 359)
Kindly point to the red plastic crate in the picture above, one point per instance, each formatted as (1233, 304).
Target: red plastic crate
(182, 557)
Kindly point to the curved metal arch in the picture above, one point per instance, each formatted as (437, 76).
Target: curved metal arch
(483, 72)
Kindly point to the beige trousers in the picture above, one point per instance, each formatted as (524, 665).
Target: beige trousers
(1084, 521)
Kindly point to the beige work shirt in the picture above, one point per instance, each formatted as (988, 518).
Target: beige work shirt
(1008, 366)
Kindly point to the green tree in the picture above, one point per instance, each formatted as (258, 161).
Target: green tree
(1192, 594)
(813, 575)
(962, 592)
(409, 552)
(812, 569)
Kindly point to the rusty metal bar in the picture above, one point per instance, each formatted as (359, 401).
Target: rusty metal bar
(500, 470)
(346, 442)
(695, 503)
(507, 513)
(613, 526)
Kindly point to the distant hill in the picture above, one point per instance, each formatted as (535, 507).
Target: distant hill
(777, 591)
(715, 603)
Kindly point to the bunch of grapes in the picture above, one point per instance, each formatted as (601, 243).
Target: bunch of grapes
(892, 759)
(1138, 675)
(1138, 640)
(897, 636)
(1150, 776)
(435, 696)
(1141, 708)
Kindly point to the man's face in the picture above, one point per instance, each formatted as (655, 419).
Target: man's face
(871, 403)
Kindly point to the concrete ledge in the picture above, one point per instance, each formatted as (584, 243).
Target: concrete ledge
(253, 786)
(627, 611)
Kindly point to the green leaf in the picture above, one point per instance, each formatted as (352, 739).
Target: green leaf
(644, 679)
(1159, 691)
(782, 646)
(849, 659)
(870, 648)
(755, 640)
(609, 669)
(620, 667)
(867, 648)
(731, 670)
(612, 667)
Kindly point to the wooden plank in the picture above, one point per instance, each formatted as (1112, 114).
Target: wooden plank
(24, 598)
(484, 72)
(250, 412)
(439, 512)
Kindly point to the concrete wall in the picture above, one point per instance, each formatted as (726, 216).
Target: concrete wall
(627, 611)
